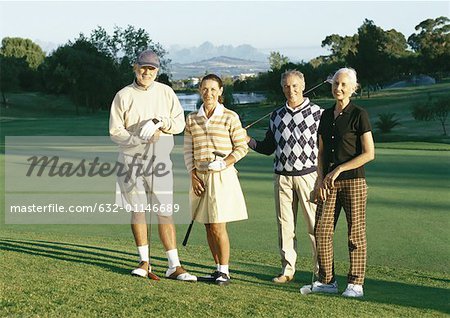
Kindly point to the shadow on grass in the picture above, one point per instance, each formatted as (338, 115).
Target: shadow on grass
(396, 293)
(114, 260)
(376, 291)
(85, 254)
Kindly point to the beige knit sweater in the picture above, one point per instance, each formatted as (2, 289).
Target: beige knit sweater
(221, 132)
(133, 106)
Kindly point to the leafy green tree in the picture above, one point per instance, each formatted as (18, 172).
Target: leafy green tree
(79, 70)
(340, 46)
(277, 60)
(125, 75)
(400, 61)
(126, 43)
(395, 44)
(228, 90)
(165, 79)
(91, 69)
(228, 98)
(23, 48)
(109, 45)
(377, 54)
(269, 81)
(386, 122)
(20, 59)
(10, 68)
(370, 59)
(433, 111)
(432, 42)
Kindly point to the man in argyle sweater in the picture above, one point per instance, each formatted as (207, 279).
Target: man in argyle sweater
(292, 135)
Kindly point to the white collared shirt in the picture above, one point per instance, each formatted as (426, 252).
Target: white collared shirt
(218, 111)
(296, 109)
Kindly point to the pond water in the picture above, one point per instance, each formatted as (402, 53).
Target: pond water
(189, 101)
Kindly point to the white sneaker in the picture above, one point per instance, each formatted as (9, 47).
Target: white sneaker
(223, 279)
(318, 287)
(353, 291)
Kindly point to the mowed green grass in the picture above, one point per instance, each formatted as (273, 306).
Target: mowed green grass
(71, 274)
(83, 270)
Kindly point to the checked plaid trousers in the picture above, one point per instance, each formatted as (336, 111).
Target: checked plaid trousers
(352, 196)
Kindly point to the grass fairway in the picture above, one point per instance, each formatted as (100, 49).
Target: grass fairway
(79, 275)
(83, 270)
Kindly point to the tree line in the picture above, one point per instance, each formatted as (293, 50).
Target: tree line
(379, 57)
(90, 69)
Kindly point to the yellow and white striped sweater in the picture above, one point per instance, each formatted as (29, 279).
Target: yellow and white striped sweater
(221, 132)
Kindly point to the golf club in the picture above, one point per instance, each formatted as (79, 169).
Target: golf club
(151, 275)
(328, 80)
(188, 232)
(307, 289)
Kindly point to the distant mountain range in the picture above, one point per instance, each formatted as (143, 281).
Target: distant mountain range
(207, 50)
(222, 66)
(224, 60)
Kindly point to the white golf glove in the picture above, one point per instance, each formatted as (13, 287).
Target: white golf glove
(217, 165)
(148, 130)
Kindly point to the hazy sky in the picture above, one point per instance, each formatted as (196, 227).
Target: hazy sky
(295, 28)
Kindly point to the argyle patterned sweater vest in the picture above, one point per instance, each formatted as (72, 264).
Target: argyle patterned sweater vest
(295, 136)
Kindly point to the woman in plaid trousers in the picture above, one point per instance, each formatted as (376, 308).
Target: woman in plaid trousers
(345, 145)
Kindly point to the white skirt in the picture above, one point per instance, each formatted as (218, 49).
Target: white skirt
(222, 201)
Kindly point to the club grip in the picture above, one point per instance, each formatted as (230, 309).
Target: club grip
(188, 232)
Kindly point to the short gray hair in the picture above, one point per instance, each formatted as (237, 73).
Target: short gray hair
(351, 73)
(288, 73)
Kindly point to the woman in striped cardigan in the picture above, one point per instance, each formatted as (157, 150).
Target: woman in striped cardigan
(214, 141)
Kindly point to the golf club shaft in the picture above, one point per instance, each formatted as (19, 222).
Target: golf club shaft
(313, 88)
(188, 232)
(149, 226)
(257, 121)
(266, 115)
(146, 149)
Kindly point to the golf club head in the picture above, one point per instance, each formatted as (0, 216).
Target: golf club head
(153, 276)
(329, 79)
(305, 290)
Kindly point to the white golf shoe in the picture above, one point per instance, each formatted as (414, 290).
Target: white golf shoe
(354, 291)
(179, 273)
(318, 287)
(142, 270)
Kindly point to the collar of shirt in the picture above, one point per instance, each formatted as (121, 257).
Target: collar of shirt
(347, 109)
(218, 111)
(139, 87)
(298, 108)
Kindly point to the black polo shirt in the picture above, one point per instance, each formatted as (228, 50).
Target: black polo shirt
(341, 138)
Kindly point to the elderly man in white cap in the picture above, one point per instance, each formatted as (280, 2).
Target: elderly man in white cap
(144, 116)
